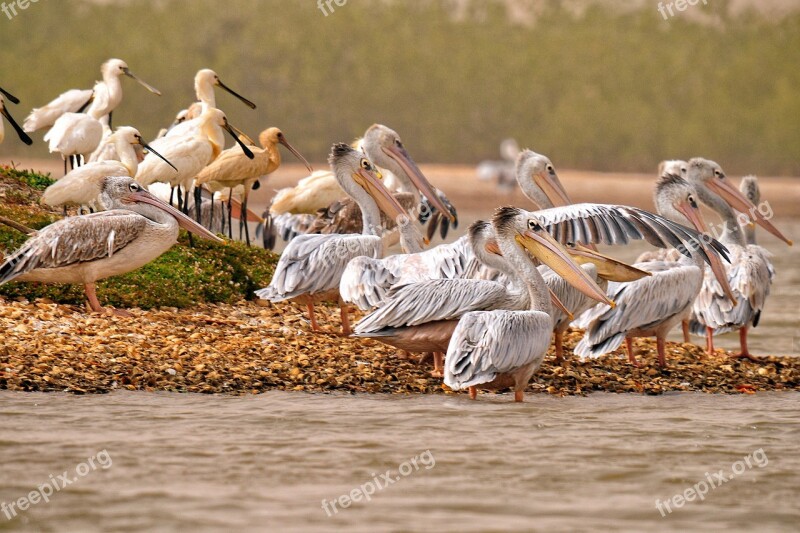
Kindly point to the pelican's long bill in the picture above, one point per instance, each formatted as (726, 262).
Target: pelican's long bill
(247, 102)
(608, 268)
(387, 203)
(245, 149)
(738, 201)
(141, 82)
(557, 303)
(298, 155)
(400, 155)
(551, 186)
(150, 149)
(22, 135)
(184, 221)
(693, 214)
(547, 250)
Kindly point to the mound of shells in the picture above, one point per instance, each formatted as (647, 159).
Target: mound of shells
(250, 348)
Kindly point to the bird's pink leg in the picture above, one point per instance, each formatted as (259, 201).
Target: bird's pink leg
(438, 365)
(94, 303)
(710, 340)
(631, 355)
(473, 393)
(519, 396)
(346, 329)
(685, 326)
(660, 347)
(314, 325)
(745, 353)
(559, 342)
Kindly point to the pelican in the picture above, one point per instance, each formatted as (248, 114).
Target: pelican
(136, 229)
(652, 306)
(189, 153)
(232, 168)
(105, 96)
(419, 317)
(83, 185)
(311, 267)
(539, 182)
(3, 111)
(502, 348)
(750, 272)
(383, 146)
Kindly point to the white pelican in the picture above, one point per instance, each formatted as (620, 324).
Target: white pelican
(384, 148)
(136, 229)
(83, 185)
(311, 267)
(189, 153)
(3, 111)
(539, 182)
(502, 348)
(418, 317)
(232, 168)
(105, 96)
(750, 272)
(652, 306)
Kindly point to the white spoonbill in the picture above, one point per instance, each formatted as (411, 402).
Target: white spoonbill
(105, 96)
(83, 185)
(136, 229)
(189, 153)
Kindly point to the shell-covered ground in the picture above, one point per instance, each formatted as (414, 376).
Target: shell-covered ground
(252, 348)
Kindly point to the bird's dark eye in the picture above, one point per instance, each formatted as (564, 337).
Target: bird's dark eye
(398, 143)
(134, 187)
(533, 225)
(550, 169)
(366, 165)
(692, 201)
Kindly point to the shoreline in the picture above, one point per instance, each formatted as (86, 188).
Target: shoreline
(248, 348)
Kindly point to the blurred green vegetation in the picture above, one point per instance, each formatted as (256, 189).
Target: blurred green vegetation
(182, 277)
(603, 90)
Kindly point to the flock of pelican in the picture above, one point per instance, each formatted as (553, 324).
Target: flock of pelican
(485, 306)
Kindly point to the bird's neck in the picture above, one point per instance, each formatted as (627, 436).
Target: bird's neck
(731, 230)
(205, 94)
(534, 193)
(527, 272)
(127, 156)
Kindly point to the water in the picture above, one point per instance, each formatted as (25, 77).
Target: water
(265, 463)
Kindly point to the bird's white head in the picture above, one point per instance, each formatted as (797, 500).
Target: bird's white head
(538, 180)
(204, 82)
(673, 166)
(519, 231)
(712, 185)
(383, 145)
(114, 68)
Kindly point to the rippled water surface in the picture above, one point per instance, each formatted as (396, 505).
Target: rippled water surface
(265, 463)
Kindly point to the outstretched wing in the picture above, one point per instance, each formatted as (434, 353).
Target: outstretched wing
(618, 224)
